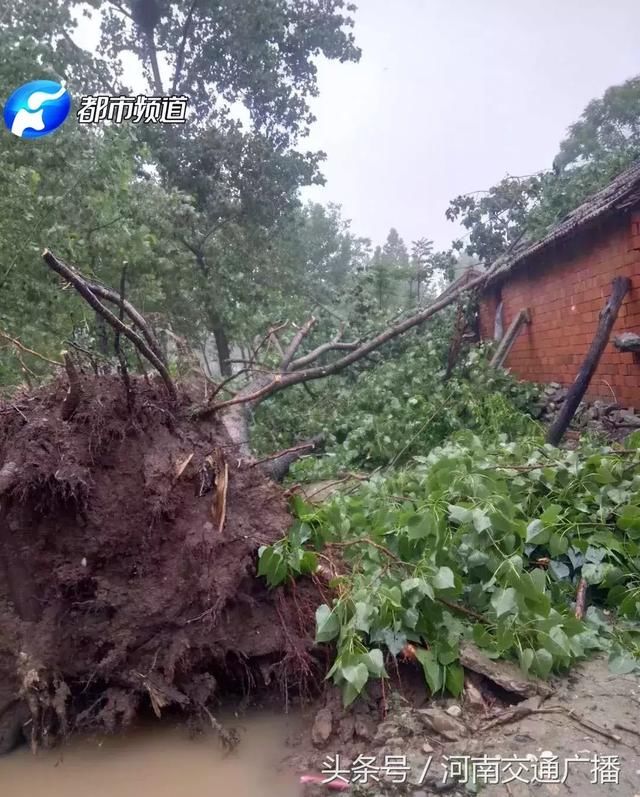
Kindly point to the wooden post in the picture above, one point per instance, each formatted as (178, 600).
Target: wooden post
(504, 347)
(608, 315)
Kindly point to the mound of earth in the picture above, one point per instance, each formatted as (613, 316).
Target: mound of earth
(128, 550)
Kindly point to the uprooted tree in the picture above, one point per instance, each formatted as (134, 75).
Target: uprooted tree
(131, 513)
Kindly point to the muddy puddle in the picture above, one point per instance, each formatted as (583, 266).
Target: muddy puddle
(159, 760)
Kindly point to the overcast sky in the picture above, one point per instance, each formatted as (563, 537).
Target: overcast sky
(452, 95)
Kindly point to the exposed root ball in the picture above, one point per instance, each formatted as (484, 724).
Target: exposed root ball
(123, 581)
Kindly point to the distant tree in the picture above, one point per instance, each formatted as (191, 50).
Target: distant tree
(394, 250)
(421, 270)
(603, 142)
(609, 125)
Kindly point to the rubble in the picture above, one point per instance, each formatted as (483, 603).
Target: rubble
(602, 417)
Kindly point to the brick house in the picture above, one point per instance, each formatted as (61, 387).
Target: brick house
(564, 280)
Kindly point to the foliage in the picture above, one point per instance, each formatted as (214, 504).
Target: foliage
(400, 405)
(609, 125)
(476, 541)
(205, 210)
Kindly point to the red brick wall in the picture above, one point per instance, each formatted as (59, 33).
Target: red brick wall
(565, 288)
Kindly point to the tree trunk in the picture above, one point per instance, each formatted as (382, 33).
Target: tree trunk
(222, 343)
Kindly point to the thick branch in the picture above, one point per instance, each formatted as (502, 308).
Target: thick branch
(287, 379)
(297, 339)
(186, 30)
(111, 296)
(277, 465)
(81, 286)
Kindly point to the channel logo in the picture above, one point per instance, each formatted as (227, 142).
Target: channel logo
(37, 109)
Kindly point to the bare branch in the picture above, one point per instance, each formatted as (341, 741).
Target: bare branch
(333, 345)
(71, 276)
(124, 371)
(24, 348)
(287, 379)
(297, 339)
(277, 465)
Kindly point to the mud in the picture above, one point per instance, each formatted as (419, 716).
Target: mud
(159, 760)
(124, 584)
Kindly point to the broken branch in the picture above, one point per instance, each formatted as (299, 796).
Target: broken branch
(72, 276)
(581, 597)
(289, 378)
(297, 339)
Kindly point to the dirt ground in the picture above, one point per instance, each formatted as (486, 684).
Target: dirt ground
(592, 700)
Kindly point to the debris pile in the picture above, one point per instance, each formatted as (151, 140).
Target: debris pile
(606, 417)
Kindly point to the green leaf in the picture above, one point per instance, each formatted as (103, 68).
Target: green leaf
(417, 585)
(504, 601)
(542, 663)
(374, 661)
(481, 520)
(327, 625)
(444, 579)
(458, 514)
(362, 616)
(308, 562)
(551, 514)
(593, 573)
(537, 533)
(422, 525)
(629, 521)
(454, 681)
(356, 675)
(623, 663)
(432, 670)
(271, 564)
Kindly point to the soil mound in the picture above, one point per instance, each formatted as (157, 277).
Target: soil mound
(128, 549)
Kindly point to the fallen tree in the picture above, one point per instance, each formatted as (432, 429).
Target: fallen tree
(131, 515)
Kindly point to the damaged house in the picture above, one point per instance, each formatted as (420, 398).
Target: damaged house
(558, 287)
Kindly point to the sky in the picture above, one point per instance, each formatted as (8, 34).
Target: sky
(452, 95)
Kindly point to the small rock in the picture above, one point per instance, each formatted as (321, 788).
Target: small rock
(555, 385)
(363, 728)
(473, 696)
(426, 748)
(454, 711)
(439, 721)
(628, 419)
(322, 727)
